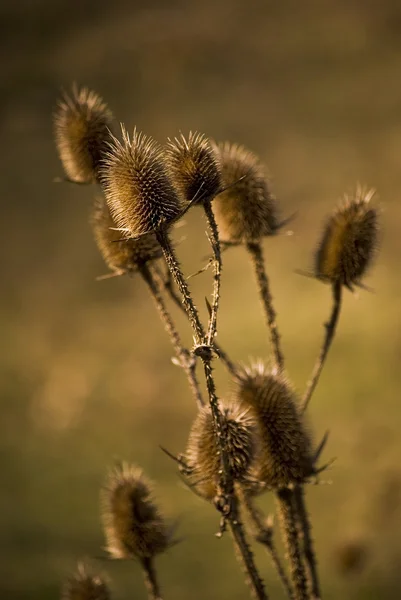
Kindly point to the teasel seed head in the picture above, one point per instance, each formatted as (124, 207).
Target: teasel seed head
(82, 124)
(247, 210)
(138, 190)
(349, 241)
(203, 457)
(85, 585)
(134, 527)
(120, 255)
(194, 167)
(285, 455)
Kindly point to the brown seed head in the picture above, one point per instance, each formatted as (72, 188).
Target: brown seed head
(194, 167)
(81, 127)
(138, 190)
(85, 585)
(285, 447)
(133, 524)
(120, 255)
(349, 241)
(247, 210)
(203, 457)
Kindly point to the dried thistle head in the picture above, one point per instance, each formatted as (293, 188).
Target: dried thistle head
(285, 455)
(349, 241)
(247, 210)
(85, 585)
(120, 255)
(194, 167)
(203, 457)
(134, 527)
(137, 187)
(82, 124)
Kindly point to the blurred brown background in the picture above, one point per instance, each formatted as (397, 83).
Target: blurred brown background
(315, 88)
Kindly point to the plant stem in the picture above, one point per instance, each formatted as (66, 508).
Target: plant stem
(305, 534)
(330, 327)
(256, 254)
(215, 244)
(187, 361)
(290, 536)
(150, 578)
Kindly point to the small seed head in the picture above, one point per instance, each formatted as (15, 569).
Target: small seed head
(138, 190)
(203, 455)
(133, 524)
(120, 255)
(85, 585)
(81, 126)
(285, 455)
(349, 241)
(194, 167)
(247, 210)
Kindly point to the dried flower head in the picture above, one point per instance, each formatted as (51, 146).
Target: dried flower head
(285, 447)
(349, 241)
(203, 457)
(81, 125)
(120, 255)
(138, 190)
(133, 524)
(247, 210)
(194, 167)
(85, 585)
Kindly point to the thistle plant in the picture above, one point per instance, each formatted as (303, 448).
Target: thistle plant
(259, 439)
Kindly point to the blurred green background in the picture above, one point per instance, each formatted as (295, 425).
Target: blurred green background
(315, 88)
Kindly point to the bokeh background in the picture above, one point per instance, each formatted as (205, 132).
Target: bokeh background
(86, 377)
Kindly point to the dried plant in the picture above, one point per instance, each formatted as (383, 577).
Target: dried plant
(259, 440)
(84, 584)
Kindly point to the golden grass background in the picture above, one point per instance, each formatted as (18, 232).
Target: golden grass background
(314, 87)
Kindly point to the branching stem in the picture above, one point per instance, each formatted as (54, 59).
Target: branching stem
(150, 578)
(305, 533)
(215, 244)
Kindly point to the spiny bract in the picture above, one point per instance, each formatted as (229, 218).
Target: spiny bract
(133, 524)
(247, 210)
(85, 585)
(138, 190)
(285, 455)
(203, 457)
(194, 167)
(120, 255)
(349, 241)
(82, 124)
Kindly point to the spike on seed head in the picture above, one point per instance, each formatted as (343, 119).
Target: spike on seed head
(139, 192)
(202, 456)
(85, 585)
(81, 127)
(247, 210)
(133, 524)
(285, 455)
(194, 167)
(349, 241)
(120, 255)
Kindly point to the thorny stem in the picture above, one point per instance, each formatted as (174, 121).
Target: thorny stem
(328, 338)
(263, 533)
(187, 361)
(256, 253)
(215, 244)
(305, 530)
(150, 578)
(228, 502)
(290, 536)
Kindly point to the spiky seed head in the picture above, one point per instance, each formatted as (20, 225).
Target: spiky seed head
(138, 190)
(285, 455)
(82, 124)
(120, 255)
(85, 585)
(203, 456)
(194, 167)
(349, 241)
(133, 525)
(247, 210)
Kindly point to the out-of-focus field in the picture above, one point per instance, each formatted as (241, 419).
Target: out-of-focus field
(86, 377)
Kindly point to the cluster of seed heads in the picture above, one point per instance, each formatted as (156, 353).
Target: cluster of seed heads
(85, 585)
